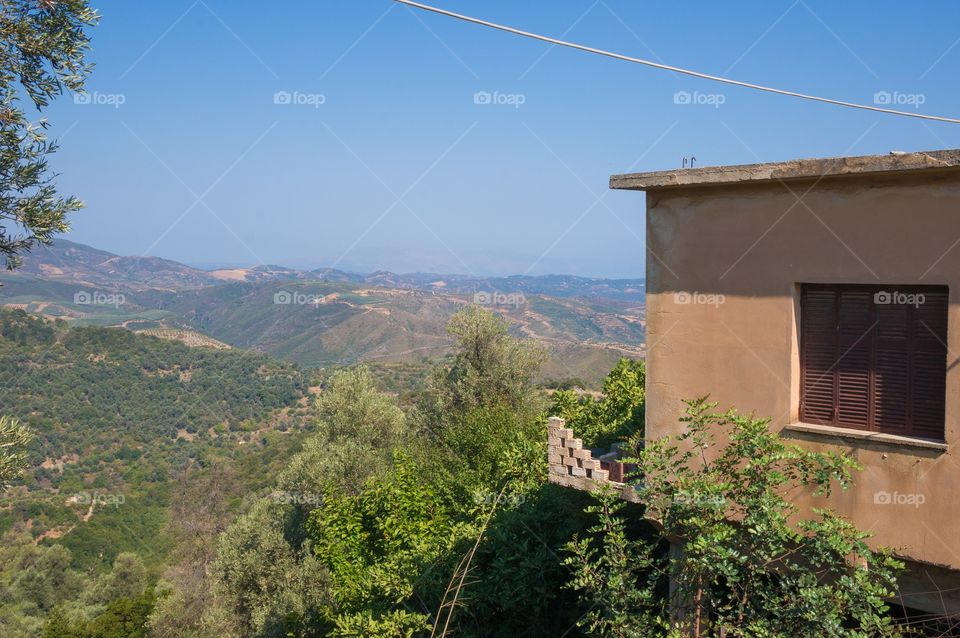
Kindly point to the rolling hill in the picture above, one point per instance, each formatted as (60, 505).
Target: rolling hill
(328, 317)
(118, 416)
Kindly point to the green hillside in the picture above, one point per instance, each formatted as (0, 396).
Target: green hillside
(118, 417)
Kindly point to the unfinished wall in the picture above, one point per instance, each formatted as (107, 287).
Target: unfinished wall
(573, 465)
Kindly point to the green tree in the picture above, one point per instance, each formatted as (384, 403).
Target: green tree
(44, 577)
(43, 45)
(618, 414)
(123, 618)
(270, 587)
(490, 369)
(358, 426)
(750, 563)
(14, 436)
(378, 545)
(127, 579)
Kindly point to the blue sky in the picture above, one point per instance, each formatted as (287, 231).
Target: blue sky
(383, 159)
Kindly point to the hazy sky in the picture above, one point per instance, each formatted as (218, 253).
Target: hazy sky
(376, 154)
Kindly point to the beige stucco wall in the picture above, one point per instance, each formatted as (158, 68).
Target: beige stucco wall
(753, 244)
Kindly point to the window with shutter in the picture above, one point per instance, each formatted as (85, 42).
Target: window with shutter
(874, 357)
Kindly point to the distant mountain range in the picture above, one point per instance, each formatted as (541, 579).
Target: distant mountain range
(81, 264)
(326, 316)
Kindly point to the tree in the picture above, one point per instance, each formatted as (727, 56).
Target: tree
(271, 588)
(750, 562)
(619, 413)
(490, 369)
(199, 513)
(14, 436)
(127, 579)
(43, 45)
(358, 426)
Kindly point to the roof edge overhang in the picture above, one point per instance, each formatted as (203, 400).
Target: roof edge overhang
(802, 169)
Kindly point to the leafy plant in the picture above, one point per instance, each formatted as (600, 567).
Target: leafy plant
(745, 559)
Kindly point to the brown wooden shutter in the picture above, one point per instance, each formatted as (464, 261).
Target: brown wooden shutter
(854, 357)
(892, 367)
(928, 370)
(818, 355)
(874, 363)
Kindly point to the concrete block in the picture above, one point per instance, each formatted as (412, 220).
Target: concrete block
(600, 475)
(578, 471)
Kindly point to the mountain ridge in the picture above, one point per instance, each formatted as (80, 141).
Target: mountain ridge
(75, 262)
(327, 317)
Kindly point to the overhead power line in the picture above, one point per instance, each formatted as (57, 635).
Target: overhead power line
(675, 69)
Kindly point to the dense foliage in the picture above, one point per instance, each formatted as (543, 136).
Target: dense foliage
(120, 421)
(382, 539)
(746, 560)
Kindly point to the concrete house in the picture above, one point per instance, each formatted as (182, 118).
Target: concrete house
(824, 294)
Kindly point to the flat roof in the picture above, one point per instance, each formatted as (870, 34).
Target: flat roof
(894, 162)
